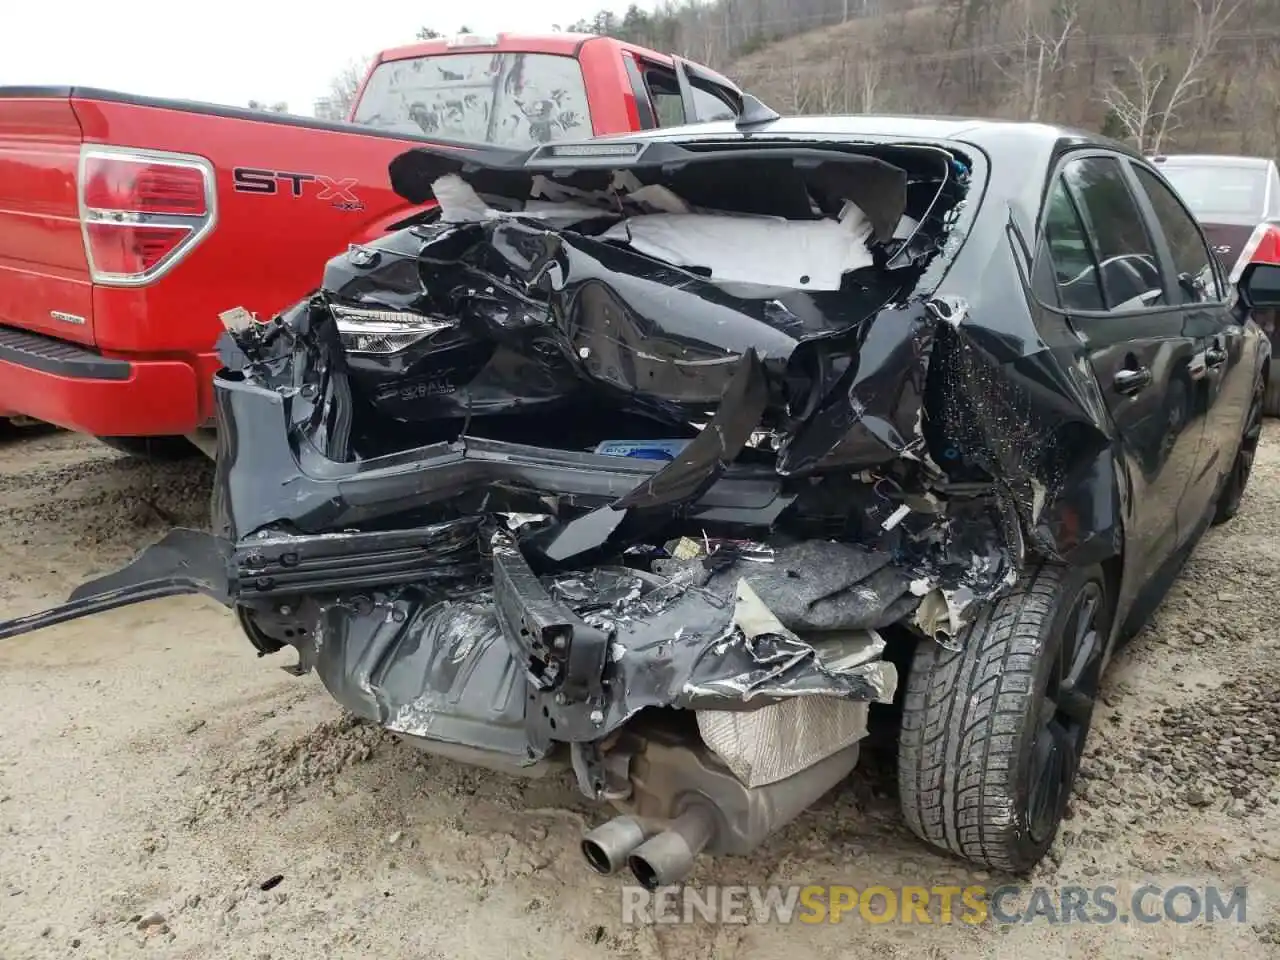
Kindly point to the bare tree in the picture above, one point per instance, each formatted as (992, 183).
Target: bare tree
(1042, 46)
(1135, 109)
(1211, 19)
(1149, 117)
(342, 91)
(867, 74)
(828, 89)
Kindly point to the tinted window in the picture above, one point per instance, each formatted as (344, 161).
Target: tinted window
(509, 99)
(1126, 258)
(668, 106)
(664, 91)
(710, 106)
(1074, 269)
(1197, 282)
(1219, 189)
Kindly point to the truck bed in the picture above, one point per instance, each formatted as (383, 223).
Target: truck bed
(289, 193)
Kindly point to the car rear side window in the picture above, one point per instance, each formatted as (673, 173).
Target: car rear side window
(1197, 281)
(1127, 262)
(1219, 189)
(1074, 269)
(515, 100)
(664, 91)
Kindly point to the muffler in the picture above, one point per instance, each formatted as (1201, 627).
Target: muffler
(607, 847)
(667, 857)
(685, 802)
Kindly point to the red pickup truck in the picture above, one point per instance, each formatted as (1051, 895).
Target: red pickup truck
(127, 224)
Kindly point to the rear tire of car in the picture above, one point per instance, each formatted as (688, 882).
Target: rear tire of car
(159, 449)
(992, 733)
(1242, 466)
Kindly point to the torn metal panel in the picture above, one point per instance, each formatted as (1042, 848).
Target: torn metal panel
(724, 179)
(435, 670)
(771, 662)
(184, 562)
(1015, 418)
(824, 585)
(323, 495)
(868, 409)
(461, 670)
(704, 460)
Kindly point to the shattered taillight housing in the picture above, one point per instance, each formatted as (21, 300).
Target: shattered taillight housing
(142, 211)
(379, 331)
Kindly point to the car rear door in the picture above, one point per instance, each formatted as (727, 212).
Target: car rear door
(1107, 280)
(1225, 386)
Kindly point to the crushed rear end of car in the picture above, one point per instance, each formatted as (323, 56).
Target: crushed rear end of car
(638, 457)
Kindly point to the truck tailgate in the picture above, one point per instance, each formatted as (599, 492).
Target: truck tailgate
(44, 276)
(290, 193)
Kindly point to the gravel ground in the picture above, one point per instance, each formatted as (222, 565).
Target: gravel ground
(155, 777)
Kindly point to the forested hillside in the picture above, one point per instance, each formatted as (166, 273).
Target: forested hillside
(1165, 74)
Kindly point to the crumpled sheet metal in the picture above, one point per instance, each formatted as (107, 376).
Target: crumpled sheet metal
(1032, 421)
(424, 667)
(444, 670)
(868, 411)
(776, 663)
(829, 585)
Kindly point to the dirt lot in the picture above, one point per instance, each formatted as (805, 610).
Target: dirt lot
(154, 773)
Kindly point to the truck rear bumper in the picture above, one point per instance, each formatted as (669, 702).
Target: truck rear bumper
(74, 387)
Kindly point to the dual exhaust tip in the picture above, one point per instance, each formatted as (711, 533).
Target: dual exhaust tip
(658, 853)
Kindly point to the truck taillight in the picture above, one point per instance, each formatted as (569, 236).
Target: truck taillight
(142, 211)
(1263, 247)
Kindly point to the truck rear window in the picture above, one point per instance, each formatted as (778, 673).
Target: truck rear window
(508, 99)
(1220, 189)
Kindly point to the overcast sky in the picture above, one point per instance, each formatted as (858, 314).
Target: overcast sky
(234, 51)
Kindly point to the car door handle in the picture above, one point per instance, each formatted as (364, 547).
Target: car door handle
(1215, 357)
(1131, 381)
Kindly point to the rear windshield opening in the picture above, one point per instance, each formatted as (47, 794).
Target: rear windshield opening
(1232, 191)
(515, 100)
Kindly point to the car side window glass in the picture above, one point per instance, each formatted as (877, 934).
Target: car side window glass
(710, 106)
(1127, 262)
(664, 92)
(1197, 280)
(1074, 269)
(668, 105)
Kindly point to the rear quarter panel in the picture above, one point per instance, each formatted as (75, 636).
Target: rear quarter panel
(266, 249)
(42, 261)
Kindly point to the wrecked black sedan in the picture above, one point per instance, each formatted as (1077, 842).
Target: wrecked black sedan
(659, 456)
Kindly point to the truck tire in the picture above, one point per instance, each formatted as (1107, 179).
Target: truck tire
(161, 449)
(992, 733)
